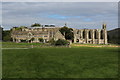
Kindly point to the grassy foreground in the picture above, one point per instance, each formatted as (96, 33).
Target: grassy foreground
(19, 45)
(80, 62)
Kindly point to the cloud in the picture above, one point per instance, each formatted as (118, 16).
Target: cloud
(76, 14)
(60, 0)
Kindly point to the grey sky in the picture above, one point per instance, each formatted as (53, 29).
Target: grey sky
(60, 0)
(76, 14)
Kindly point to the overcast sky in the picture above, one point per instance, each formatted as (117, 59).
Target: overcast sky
(78, 15)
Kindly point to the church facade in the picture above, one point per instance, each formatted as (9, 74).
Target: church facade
(91, 36)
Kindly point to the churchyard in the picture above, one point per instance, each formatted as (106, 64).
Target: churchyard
(35, 61)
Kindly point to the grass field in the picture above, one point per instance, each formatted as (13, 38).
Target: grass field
(19, 45)
(75, 62)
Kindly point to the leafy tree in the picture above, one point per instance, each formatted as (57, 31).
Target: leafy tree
(41, 39)
(19, 28)
(6, 35)
(32, 39)
(36, 24)
(67, 32)
(1, 31)
(61, 42)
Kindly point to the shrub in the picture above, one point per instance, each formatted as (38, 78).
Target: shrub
(61, 42)
(41, 39)
(36, 25)
(52, 41)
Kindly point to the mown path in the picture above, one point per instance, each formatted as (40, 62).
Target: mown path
(15, 48)
(96, 45)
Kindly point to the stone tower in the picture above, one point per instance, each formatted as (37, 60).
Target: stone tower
(104, 26)
(105, 33)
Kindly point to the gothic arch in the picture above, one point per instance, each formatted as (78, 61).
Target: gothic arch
(89, 35)
(96, 34)
(84, 34)
(101, 32)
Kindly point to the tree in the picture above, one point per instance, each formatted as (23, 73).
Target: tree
(1, 31)
(61, 42)
(35, 25)
(67, 32)
(6, 35)
(19, 28)
(41, 39)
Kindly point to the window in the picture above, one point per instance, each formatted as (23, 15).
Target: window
(101, 33)
(45, 36)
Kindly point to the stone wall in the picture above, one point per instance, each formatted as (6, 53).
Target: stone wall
(92, 36)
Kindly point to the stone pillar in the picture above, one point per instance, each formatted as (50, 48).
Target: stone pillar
(74, 36)
(81, 32)
(86, 36)
(93, 36)
(105, 36)
(99, 36)
(79, 36)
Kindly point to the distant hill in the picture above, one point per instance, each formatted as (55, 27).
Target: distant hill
(114, 36)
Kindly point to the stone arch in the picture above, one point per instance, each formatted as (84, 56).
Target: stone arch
(89, 35)
(101, 32)
(84, 34)
(95, 33)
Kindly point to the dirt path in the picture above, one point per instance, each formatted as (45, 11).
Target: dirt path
(15, 48)
(97, 46)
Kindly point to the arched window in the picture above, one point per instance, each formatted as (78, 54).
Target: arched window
(77, 32)
(95, 35)
(101, 33)
(84, 34)
(89, 33)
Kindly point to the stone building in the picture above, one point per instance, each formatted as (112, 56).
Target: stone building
(92, 36)
(26, 34)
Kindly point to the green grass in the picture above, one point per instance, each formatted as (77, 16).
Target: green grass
(19, 45)
(39, 45)
(81, 62)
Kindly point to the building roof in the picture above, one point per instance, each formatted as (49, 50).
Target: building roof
(26, 32)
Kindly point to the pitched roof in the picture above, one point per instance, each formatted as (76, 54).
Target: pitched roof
(26, 32)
